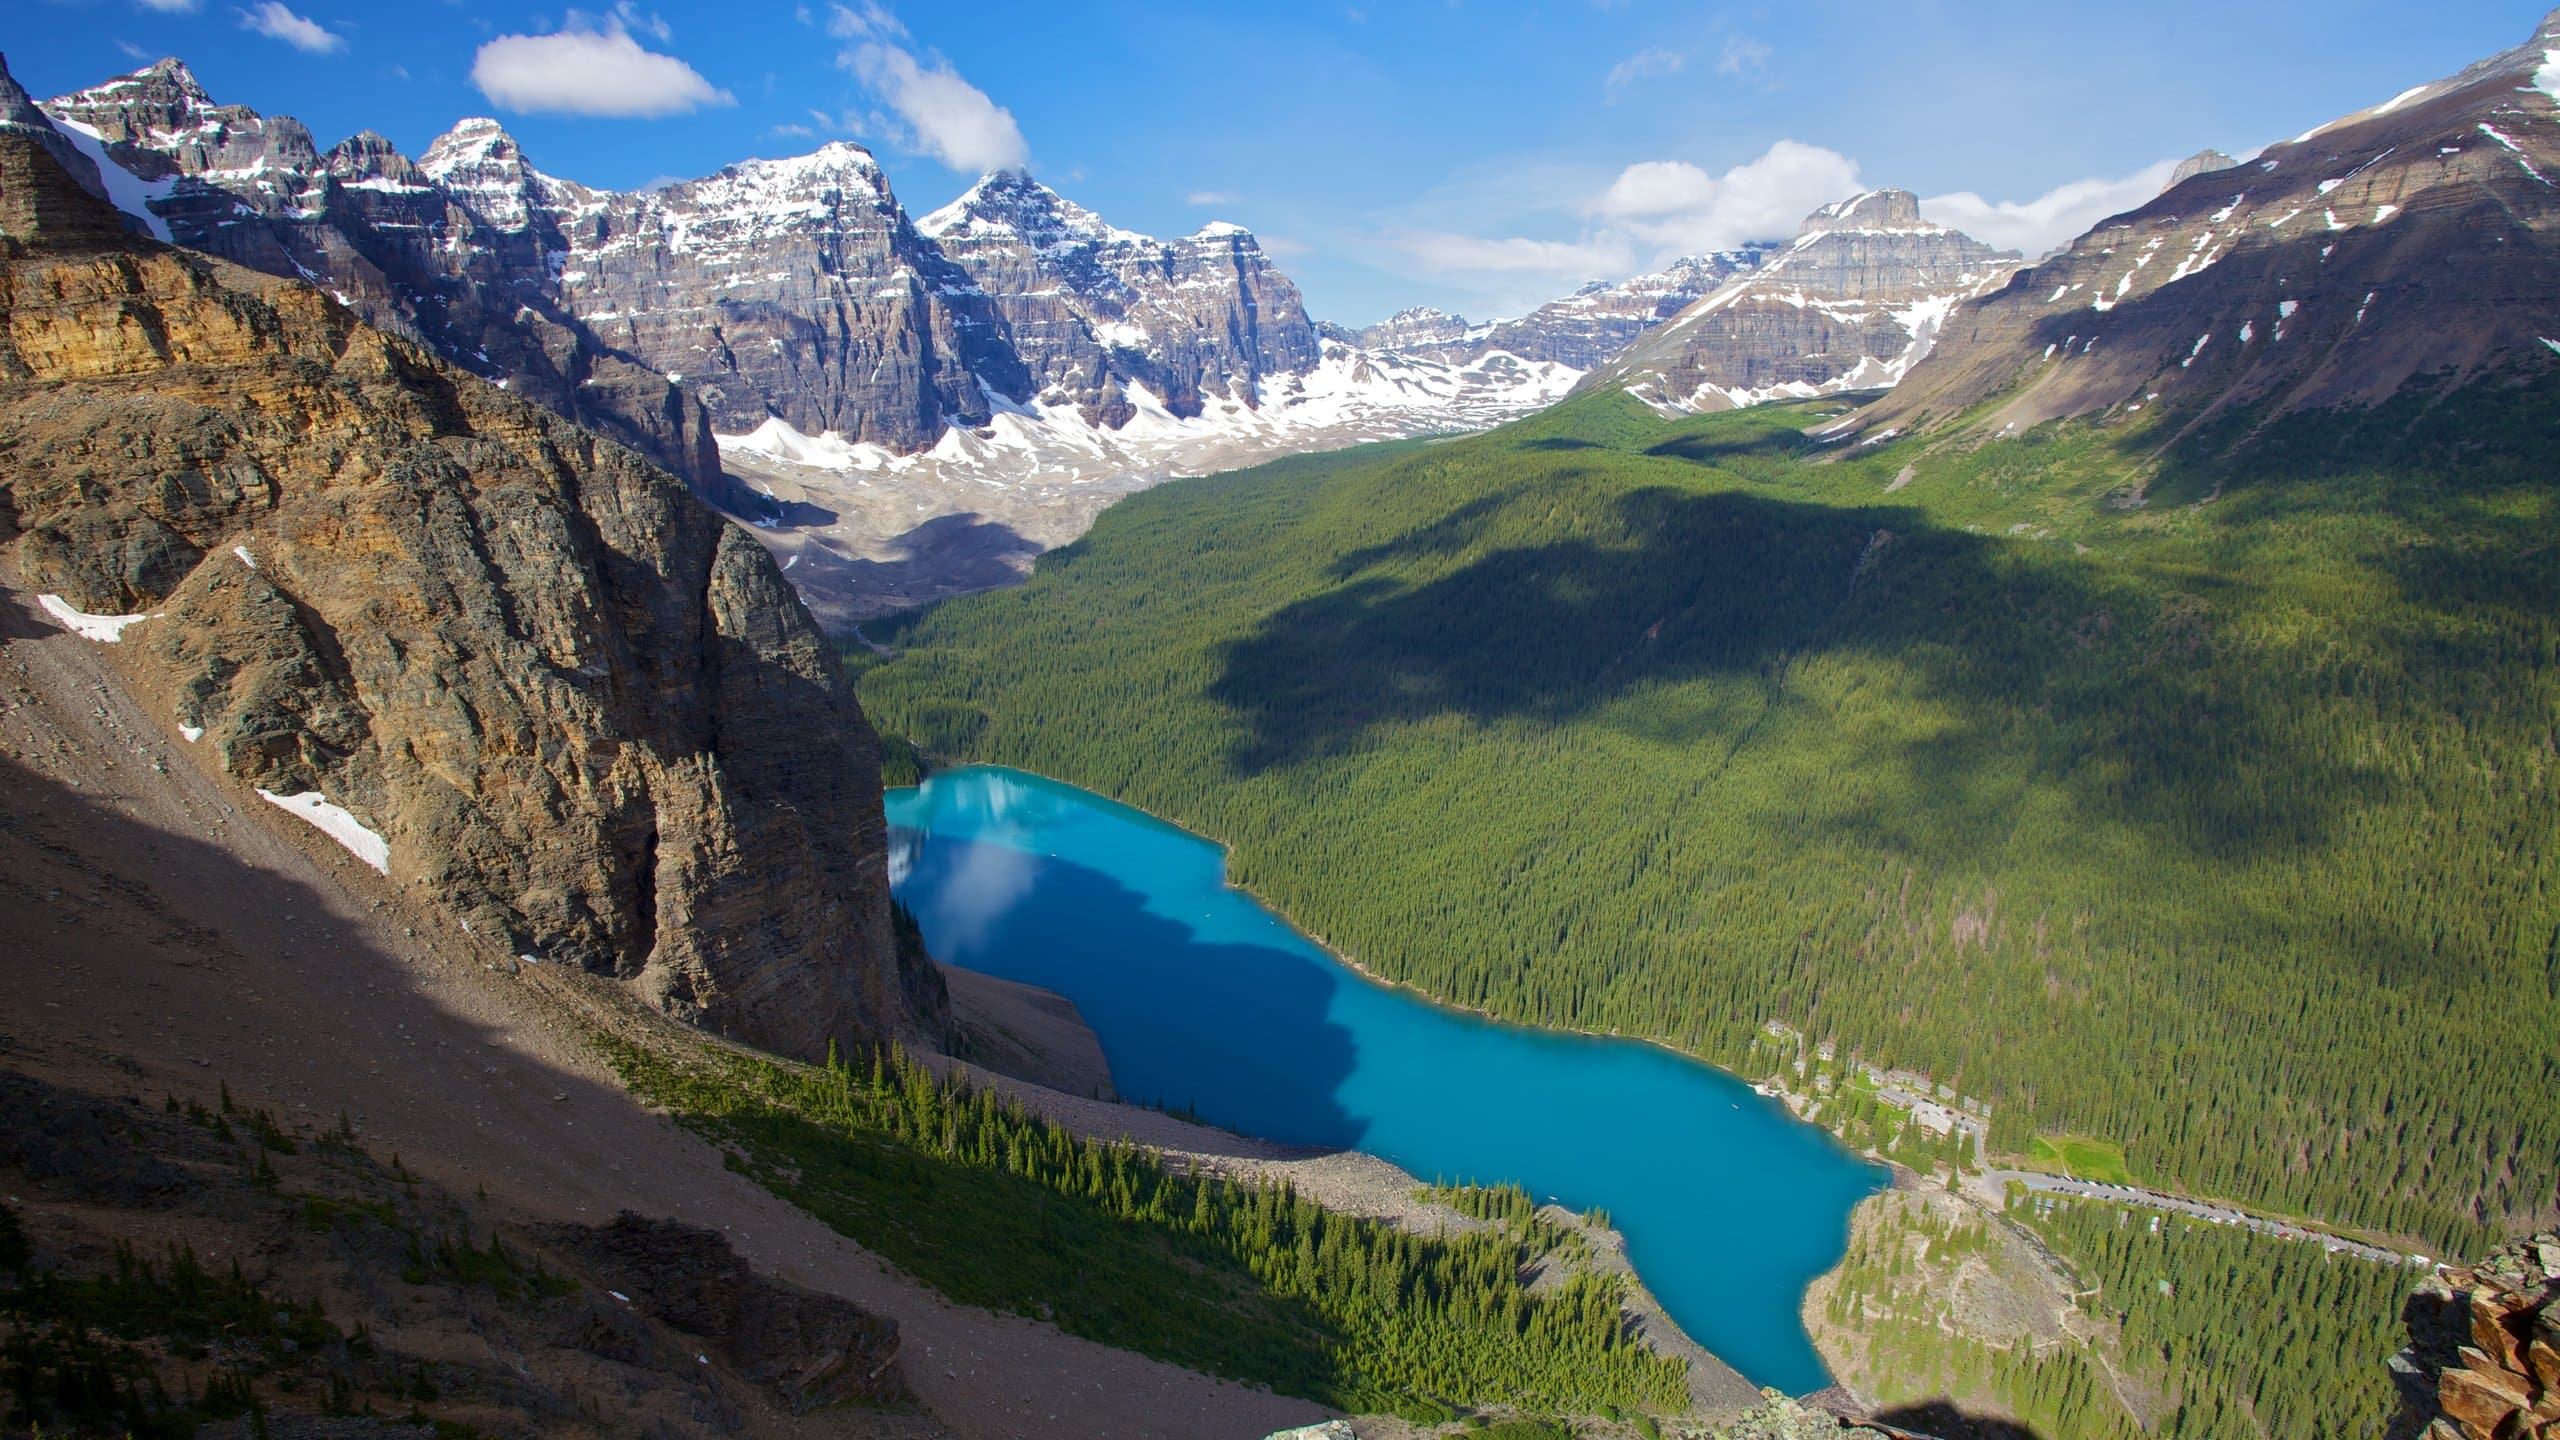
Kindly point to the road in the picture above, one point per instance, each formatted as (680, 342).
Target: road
(1998, 1181)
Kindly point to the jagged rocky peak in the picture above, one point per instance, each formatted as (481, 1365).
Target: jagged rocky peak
(838, 166)
(1414, 328)
(616, 741)
(1583, 330)
(1012, 203)
(367, 155)
(1875, 211)
(479, 163)
(2203, 162)
(1095, 311)
(474, 140)
(158, 122)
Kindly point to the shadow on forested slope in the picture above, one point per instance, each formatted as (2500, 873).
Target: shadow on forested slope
(1778, 442)
(2008, 650)
(1727, 583)
(1944, 1421)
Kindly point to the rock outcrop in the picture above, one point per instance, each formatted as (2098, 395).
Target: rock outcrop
(2203, 162)
(808, 1349)
(2484, 1356)
(1852, 304)
(2420, 238)
(567, 702)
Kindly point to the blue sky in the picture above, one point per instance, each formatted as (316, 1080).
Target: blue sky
(1473, 155)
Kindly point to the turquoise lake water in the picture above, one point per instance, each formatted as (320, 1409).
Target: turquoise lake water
(1203, 998)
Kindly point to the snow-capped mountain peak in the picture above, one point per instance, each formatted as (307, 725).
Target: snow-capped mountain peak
(1010, 202)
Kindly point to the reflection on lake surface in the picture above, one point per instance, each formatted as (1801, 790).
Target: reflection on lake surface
(1203, 998)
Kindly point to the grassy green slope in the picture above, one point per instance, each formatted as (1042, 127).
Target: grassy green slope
(2218, 825)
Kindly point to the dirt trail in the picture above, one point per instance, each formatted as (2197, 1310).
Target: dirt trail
(165, 930)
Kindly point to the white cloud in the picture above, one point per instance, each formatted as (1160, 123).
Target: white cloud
(628, 15)
(172, 7)
(1552, 260)
(271, 19)
(1742, 56)
(1677, 208)
(1208, 197)
(2054, 218)
(1645, 64)
(1478, 239)
(583, 70)
(937, 112)
(866, 21)
(796, 132)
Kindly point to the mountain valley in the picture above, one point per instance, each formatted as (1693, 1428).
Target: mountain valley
(2073, 732)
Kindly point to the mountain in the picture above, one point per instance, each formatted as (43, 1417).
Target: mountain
(795, 290)
(377, 231)
(999, 371)
(1093, 309)
(514, 667)
(2416, 241)
(1852, 304)
(1583, 330)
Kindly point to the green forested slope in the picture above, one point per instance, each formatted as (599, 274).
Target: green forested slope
(2205, 804)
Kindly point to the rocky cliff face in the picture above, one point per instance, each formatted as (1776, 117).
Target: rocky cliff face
(2484, 1356)
(2420, 238)
(1584, 330)
(1853, 303)
(795, 289)
(564, 699)
(1093, 309)
(20, 116)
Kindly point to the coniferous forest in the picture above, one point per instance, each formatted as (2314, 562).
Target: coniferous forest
(2194, 797)
(994, 1205)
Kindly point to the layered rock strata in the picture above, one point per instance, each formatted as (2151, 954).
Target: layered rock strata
(512, 664)
(1853, 303)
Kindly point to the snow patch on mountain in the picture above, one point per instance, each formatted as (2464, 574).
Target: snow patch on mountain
(129, 192)
(1350, 396)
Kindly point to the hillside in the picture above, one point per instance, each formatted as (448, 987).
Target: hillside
(1948, 753)
(2408, 241)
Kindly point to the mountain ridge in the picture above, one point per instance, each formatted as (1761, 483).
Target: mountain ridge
(2410, 239)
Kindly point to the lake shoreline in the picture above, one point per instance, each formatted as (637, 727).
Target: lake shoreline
(1684, 1217)
(1402, 987)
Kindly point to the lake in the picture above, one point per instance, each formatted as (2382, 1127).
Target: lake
(1204, 999)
